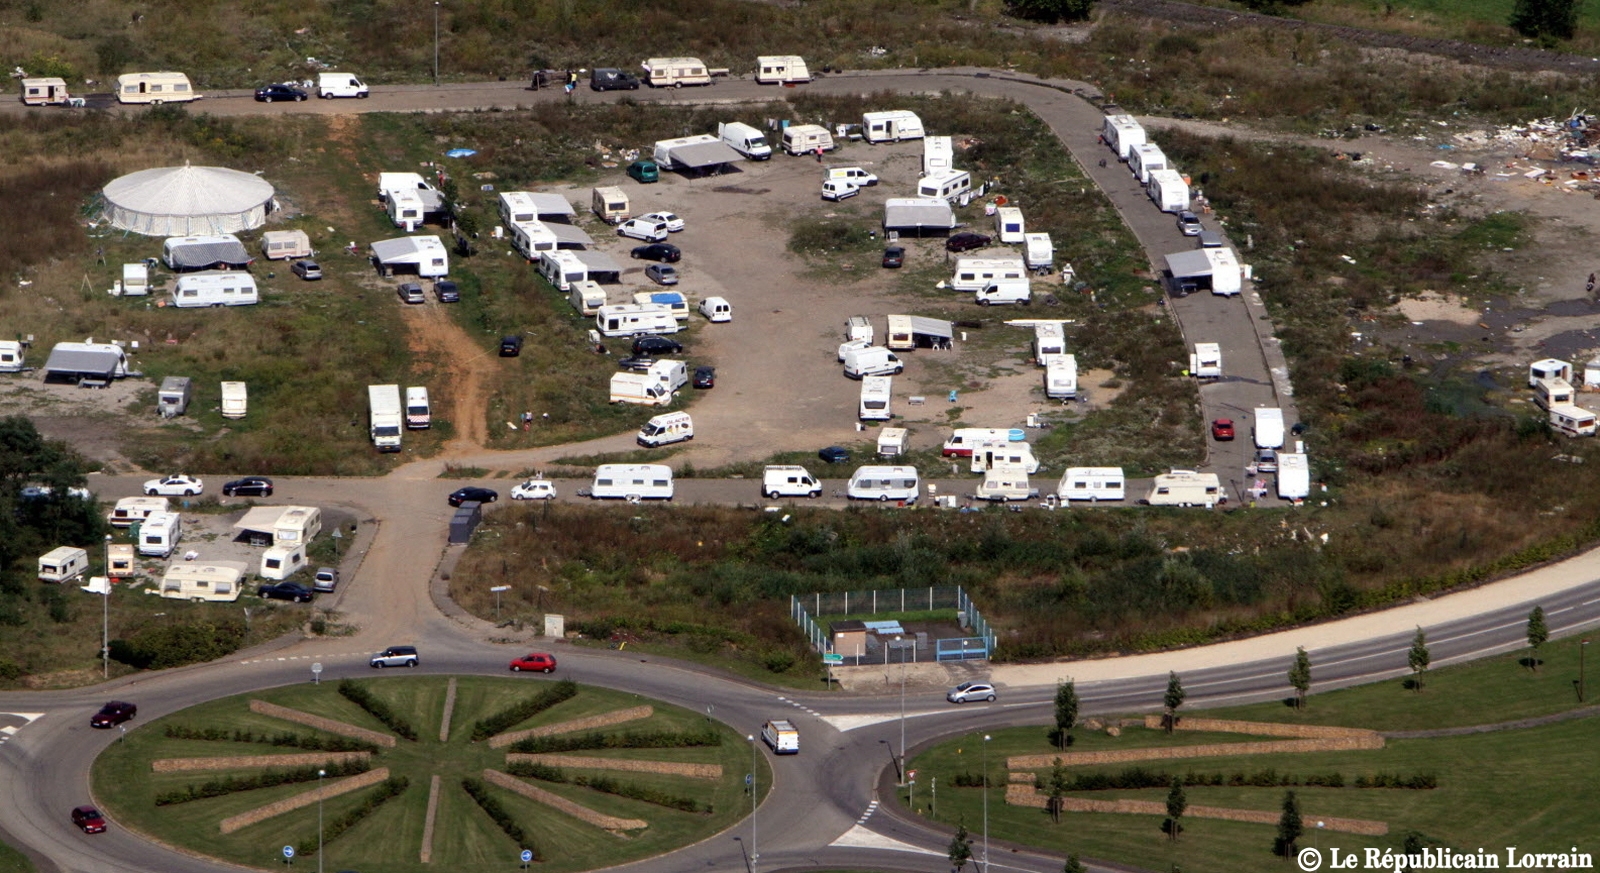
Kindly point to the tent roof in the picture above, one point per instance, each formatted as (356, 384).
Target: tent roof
(598, 262)
(261, 518)
(89, 362)
(545, 203)
(918, 212)
(164, 200)
(406, 249)
(704, 154)
(566, 233)
(1189, 265)
(931, 327)
(209, 252)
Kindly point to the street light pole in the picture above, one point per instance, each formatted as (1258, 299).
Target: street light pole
(105, 618)
(902, 715)
(985, 803)
(320, 774)
(436, 43)
(755, 852)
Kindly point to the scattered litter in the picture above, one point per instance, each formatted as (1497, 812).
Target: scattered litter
(1444, 165)
(1347, 259)
(460, 153)
(1534, 174)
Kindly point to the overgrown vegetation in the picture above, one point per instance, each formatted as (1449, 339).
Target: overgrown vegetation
(361, 696)
(159, 646)
(524, 709)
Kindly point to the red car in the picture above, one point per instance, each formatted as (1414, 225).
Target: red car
(536, 661)
(1222, 429)
(112, 714)
(90, 819)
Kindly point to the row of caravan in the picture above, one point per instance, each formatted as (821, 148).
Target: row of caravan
(1166, 187)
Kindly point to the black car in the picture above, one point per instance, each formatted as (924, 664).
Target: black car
(705, 377)
(446, 291)
(607, 79)
(894, 257)
(473, 493)
(667, 253)
(112, 714)
(510, 346)
(966, 242)
(656, 345)
(637, 363)
(279, 91)
(834, 454)
(249, 486)
(285, 591)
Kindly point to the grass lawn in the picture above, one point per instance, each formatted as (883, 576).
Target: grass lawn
(13, 861)
(391, 837)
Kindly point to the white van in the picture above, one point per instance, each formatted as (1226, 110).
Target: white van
(215, 288)
(418, 415)
(976, 274)
(1574, 421)
(892, 126)
(780, 735)
(215, 582)
(857, 328)
(854, 175)
(1008, 291)
(159, 533)
(1049, 338)
(281, 562)
(805, 139)
(665, 429)
(1092, 484)
(1008, 225)
(1005, 483)
(1061, 377)
(610, 204)
(876, 392)
(988, 456)
(781, 70)
(787, 480)
(1122, 133)
(953, 186)
(63, 564)
(883, 484)
(340, 85)
(675, 72)
(1185, 488)
(657, 386)
(1268, 429)
(745, 140)
(131, 509)
(587, 297)
(964, 439)
(155, 88)
(635, 319)
(632, 482)
(871, 361)
(532, 239)
(562, 268)
(716, 310)
(1146, 158)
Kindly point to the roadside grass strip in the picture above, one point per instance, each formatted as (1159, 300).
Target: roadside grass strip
(583, 762)
(1258, 728)
(304, 799)
(605, 719)
(1028, 796)
(1210, 750)
(561, 804)
(332, 726)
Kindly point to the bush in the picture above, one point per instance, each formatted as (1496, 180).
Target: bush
(523, 710)
(492, 808)
(606, 784)
(10, 670)
(388, 789)
(626, 740)
(1133, 778)
(359, 695)
(161, 646)
(821, 236)
(282, 738)
(264, 779)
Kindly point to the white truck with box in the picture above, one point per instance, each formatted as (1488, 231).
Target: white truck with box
(1168, 190)
(1294, 476)
(235, 400)
(204, 582)
(745, 140)
(871, 361)
(876, 392)
(1009, 226)
(587, 297)
(665, 429)
(977, 273)
(896, 125)
(63, 564)
(1205, 362)
(1185, 488)
(1092, 484)
(215, 288)
(632, 482)
(883, 483)
(1061, 377)
(1268, 427)
(635, 319)
(384, 416)
(788, 480)
(419, 416)
(159, 534)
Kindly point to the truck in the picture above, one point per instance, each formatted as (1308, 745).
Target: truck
(1294, 477)
(1168, 190)
(1185, 488)
(895, 125)
(235, 400)
(1061, 377)
(418, 414)
(1268, 428)
(657, 386)
(1205, 362)
(331, 85)
(871, 361)
(745, 140)
(876, 392)
(383, 416)
(780, 735)
(172, 398)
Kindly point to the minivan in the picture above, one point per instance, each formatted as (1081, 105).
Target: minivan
(608, 79)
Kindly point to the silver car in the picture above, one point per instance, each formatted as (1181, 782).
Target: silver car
(968, 691)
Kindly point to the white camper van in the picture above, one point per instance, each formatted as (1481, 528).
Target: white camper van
(131, 509)
(657, 386)
(789, 481)
(665, 429)
(716, 309)
(1574, 421)
(1185, 488)
(1005, 483)
(418, 414)
(883, 484)
(894, 125)
(876, 392)
(632, 482)
(215, 288)
(1008, 291)
(1008, 225)
(805, 139)
(1049, 338)
(340, 85)
(675, 72)
(953, 186)
(156, 88)
(1122, 133)
(562, 268)
(1003, 453)
(587, 297)
(610, 204)
(1092, 484)
(1294, 476)
(938, 155)
(964, 440)
(214, 581)
(284, 244)
(281, 562)
(1061, 377)
(781, 70)
(1168, 190)
(976, 274)
(745, 140)
(159, 533)
(235, 400)
(63, 564)
(1268, 429)
(1205, 362)
(1145, 159)
(871, 361)
(634, 319)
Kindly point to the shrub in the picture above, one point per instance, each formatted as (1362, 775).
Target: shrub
(359, 695)
(608, 785)
(282, 738)
(625, 740)
(161, 646)
(479, 792)
(523, 710)
(265, 779)
(388, 789)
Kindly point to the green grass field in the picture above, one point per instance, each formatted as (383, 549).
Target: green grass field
(13, 861)
(390, 839)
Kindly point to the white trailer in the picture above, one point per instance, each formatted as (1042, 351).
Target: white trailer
(1004, 454)
(406, 209)
(235, 400)
(384, 417)
(1092, 484)
(532, 239)
(562, 268)
(876, 392)
(284, 244)
(1227, 278)
(121, 560)
(209, 582)
(1038, 252)
(1122, 133)
(159, 534)
(635, 319)
(858, 328)
(1205, 362)
(895, 125)
(1049, 338)
(938, 155)
(805, 139)
(781, 70)
(1294, 477)
(978, 273)
(172, 398)
(1574, 421)
(13, 356)
(419, 416)
(45, 91)
(1005, 483)
(1061, 377)
(610, 204)
(632, 482)
(1168, 190)
(1185, 488)
(135, 280)
(1549, 368)
(1268, 427)
(883, 484)
(160, 87)
(673, 300)
(675, 72)
(951, 186)
(1146, 158)
(215, 288)
(1550, 393)
(297, 524)
(745, 140)
(587, 297)
(131, 509)
(1008, 225)
(281, 562)
(63, 564)
(963, 440)
(891, 442)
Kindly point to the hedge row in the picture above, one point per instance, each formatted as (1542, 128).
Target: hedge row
(607, 785)
(479, 792)
(523, 710)
(388, 789)
(624, 740)
(282, 738)
(360, 696)
(1139, 777)
(264, 779)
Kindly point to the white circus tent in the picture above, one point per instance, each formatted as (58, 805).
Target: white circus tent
(187, 201)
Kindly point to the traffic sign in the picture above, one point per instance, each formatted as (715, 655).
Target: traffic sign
(911, 775)
(832, 658)
(288, 852)
(316, 667)
(749, 778)
(527, 856)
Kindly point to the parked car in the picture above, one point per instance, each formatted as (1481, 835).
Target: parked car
(279, 91)
(410, 292)
(1222, 429)
(1266, 461)
(638, 228)
(1189, 223)
(249, 486)
(307, 270)
(894, 257)
(662, 274)
(705, 377)
(446, 291)
(473, 493)
(969, 691)
(667, 253)
(44, 492)
(644, 172)
(534, 489)
(608, 79)
(673, 222)
(112, 714)
(966, 242)
(534, 661)
(510, 346)
(176, 485)
(637, 363)
(656, 345)
(395, 656)
(325, 581)
(286, 591)
(89, 819)
(834, 454)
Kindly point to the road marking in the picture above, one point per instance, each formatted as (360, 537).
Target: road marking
(871, 808)
(861, 838)
(802, 707)
(9, 731)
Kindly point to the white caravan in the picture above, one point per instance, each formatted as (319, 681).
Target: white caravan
(275, 245)
(1005, 483)
(978, 273)
(635, 319)
(963, 440)
(1008, 225)
(63, 564)
(1226, 276)
(632, 482)
(1294, 476)
(675, 72)
(1145, 159)
(1574, 421)
(235, 400)
(562, 268)
(389, 183)
(876, 392)
(587, 297)
(665, 429)
(122, 562)
(1268, 428)
(610, 204)
(781, 70)
(135, 280)
(1185, 488)
(215, 288)
(745, 140)
(172, 398)
(883, 484)
(213, 581)
(419, 416)
(532, 239)
(938, 155)
(805, 139)
(159, 534)
(1122, 133)
(871, 361)
(857, 328)
(894, 125)
(1205, 362)
(953, 186)
(156, 88)
(891, 442)
(673, 300)
(297, 524)
(1550, 393)
(406, 209)
(1549, 368)
(13, 356)
(657, 386)
(1168, 190)
(1049, 338)
(789, 481)
(1061, 377)
(340, 85)
(45, 91)
(516, 207)
(1092, 484)
(281, 562)
(131, 509)
(1003, 453)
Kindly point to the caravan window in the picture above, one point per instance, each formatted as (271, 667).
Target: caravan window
(605, 483)
(661, 483)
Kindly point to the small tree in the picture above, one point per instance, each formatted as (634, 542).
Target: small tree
(960, 847)
(1177, 804)
(1172, 700)
(1545, 20)
(1412, 847)
(1051, 11)
(1066, 711)
(1300, 677)
(1418, 657)
(1074, 865)
(1538, 634)
(1290, 826)
(1057, 788)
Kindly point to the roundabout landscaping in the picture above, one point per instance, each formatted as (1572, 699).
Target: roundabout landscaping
(428, 772)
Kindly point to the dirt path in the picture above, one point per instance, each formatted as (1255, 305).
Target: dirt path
(458, 368)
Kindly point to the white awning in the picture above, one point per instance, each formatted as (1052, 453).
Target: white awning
(598, 262)
(1189, 265)
(934, 327)
(917, 212)
(566, 234)
(551, 205)
(261, 519)
(704, 154)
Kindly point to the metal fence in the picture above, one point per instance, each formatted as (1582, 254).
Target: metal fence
(888, 601)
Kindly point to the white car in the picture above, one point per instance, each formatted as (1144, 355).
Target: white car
(534, 489)
(673, 222)
(970, 691)
(638, 228)
(176, 485)
(839, 189)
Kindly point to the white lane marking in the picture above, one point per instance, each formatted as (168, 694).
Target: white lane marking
(9, 731)
(859, 837)
(871, 808)
(844, 723)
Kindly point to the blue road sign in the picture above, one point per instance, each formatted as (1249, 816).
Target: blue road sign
(749, 778)
(527, 856)
(288, 851)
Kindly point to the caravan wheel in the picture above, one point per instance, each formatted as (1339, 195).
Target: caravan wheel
(883, 498)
